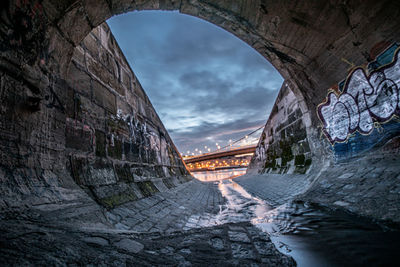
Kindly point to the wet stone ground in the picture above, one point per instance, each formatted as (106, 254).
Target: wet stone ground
(196, 224)
(227, 245)
(188, 206)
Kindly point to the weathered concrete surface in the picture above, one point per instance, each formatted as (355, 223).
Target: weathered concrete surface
(276, 189)
(367, 186)
(190, 205)
(184, 225)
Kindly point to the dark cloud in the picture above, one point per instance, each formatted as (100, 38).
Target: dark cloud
(205, 82)
(207, 85)
(217, 94)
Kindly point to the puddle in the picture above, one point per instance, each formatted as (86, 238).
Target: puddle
(311, 235)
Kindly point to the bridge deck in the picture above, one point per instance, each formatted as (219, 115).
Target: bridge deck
(220, 154)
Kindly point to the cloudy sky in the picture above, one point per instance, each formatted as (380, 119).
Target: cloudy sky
(206, 85)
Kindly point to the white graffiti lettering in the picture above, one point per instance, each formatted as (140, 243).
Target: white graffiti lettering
(364, 101)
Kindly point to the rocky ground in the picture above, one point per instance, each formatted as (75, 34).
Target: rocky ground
(189, 225)
(241, 244)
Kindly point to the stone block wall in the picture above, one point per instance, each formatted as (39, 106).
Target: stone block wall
(116, 144)
(284, 145)
(95, 130)
(32, 144)
(359, 115)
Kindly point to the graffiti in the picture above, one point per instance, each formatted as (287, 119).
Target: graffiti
(140, 135)
(365, 102)
(260, 153)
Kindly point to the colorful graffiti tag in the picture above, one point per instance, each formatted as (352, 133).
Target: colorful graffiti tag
(364, 101)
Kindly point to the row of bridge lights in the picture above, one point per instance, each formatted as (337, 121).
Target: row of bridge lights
(207, 149)
(217, 164)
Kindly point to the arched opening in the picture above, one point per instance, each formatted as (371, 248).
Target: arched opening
(209, 88)
(51, 148)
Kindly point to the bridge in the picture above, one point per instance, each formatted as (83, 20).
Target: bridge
(221, 159)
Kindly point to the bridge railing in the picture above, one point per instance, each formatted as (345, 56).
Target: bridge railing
(218, 151)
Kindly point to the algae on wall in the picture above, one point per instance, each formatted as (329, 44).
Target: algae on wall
(283, 146)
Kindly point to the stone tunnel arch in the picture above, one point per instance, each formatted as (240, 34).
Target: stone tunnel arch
(311, 43)
(239, 20)
(296, 37)
(283, 31)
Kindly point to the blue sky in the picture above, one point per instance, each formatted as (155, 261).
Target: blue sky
(207, 85)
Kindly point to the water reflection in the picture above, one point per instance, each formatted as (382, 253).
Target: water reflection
(209, 176)
(311, 235)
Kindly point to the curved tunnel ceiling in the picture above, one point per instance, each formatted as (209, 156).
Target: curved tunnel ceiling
(308, 42)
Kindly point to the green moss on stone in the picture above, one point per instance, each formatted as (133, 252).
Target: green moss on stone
(286, 151)
(299, 160)
(124, 173)
(171, 156)
(119, 199)
(147, 188)
(270, 163)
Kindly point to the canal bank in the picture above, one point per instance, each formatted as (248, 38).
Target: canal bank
(189, 225)
(198, 223)
(361, 187)
(313, 235)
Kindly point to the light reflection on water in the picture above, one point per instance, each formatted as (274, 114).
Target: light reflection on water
(241, 206)
(210, 176)
(311, 235)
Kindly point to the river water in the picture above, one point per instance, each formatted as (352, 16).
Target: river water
(209, 176)
(312, 235)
